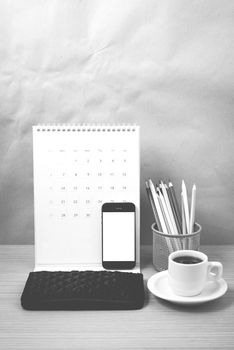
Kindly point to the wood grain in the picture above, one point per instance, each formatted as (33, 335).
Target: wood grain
(159, 325)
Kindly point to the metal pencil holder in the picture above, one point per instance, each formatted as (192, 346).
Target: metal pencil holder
(164, 244)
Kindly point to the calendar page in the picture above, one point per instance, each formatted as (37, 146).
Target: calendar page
(76, 170)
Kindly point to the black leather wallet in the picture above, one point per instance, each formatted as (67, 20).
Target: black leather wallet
(83, 290)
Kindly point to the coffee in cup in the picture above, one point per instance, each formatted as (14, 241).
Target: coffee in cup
(189, 270)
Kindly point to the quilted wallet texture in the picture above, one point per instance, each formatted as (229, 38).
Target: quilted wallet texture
(83, 290)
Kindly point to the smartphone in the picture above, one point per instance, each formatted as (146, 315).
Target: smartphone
(118, 236)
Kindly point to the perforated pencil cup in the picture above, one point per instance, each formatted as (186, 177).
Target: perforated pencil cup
(164, 244)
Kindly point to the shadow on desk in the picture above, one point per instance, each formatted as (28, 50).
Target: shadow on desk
(223, 303)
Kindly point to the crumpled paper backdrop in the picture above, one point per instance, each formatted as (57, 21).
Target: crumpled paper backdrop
(165, 65)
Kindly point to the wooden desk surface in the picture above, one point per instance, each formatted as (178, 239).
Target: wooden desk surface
(159, 325)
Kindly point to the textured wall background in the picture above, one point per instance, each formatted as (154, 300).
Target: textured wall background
(166, 65)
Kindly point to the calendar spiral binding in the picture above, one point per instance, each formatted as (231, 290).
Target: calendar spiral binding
(86, 127)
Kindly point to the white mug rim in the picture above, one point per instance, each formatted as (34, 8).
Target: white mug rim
(188, 252)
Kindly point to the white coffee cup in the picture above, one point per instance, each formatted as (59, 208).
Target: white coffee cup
(189, 279)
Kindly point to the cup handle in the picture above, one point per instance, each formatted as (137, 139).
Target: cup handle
(218, 273)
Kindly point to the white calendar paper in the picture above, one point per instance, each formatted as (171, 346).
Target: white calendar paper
(76, 170)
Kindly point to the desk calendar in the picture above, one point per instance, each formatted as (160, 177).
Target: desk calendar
(76, 170)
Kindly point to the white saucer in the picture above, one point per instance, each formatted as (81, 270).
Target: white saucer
(158, 285)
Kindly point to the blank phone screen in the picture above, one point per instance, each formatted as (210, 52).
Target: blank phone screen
(118, 236)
